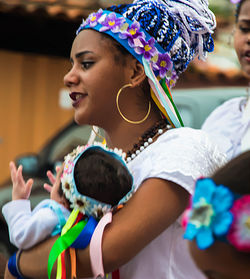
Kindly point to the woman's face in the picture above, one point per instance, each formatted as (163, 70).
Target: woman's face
(94, 78)
(242, 38)
(220, 261)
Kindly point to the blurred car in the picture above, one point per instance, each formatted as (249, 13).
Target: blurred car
(194, 106)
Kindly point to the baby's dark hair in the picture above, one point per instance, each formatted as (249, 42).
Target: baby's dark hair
(100, 176)
(235, 175)
(238, 9)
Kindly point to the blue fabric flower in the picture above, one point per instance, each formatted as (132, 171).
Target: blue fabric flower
(209, 215)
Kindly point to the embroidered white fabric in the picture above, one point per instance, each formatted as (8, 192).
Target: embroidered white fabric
(226, 126)
(180, 155)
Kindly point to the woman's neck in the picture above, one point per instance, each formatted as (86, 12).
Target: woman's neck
(125, 135)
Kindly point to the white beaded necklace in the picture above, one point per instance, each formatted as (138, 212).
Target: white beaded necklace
(143, 146)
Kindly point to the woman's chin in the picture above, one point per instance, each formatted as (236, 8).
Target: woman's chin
(80, 119)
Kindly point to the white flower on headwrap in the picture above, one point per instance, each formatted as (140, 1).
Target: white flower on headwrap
(98, 211)
(81, 203)
(67, 186)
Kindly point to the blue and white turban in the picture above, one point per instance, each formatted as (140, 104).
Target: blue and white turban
(164, 35)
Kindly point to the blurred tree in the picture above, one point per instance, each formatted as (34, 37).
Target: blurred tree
(222, 8)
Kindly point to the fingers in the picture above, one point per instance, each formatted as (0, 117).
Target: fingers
(47, 187)
(51, 177)
(19, 176)
(59, 170)
(13, 171)
(29, 185)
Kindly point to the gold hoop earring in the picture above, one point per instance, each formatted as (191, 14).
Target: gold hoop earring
(119, 110)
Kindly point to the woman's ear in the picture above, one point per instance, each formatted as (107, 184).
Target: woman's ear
(138, 75)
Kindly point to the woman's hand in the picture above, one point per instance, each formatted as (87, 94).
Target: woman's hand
(21, 189)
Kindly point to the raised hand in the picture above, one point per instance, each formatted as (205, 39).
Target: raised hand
(52, 178)
(21, 189)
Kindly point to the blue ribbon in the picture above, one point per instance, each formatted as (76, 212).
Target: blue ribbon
(12, 266)
(84, 237)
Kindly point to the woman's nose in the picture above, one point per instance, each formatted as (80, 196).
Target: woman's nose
(248, 38)
(71, 78)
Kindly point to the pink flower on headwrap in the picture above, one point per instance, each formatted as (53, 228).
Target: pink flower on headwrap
(239, 234)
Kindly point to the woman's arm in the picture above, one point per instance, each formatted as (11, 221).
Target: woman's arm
(154, 207)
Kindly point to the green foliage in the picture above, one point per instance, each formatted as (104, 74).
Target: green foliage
(223, 8)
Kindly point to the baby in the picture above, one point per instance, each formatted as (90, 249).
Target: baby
(94, 180)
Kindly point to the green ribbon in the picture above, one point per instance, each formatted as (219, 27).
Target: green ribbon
(63, 242)
(165, 88)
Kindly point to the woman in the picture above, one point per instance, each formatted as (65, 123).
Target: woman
(229, 124)
(152, 43)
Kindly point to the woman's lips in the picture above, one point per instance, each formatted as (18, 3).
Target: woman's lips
(246, 56)
(76, 97)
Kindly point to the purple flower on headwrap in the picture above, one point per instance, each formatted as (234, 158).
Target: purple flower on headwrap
(132, 33)
(235, 1)
(112, 22)
(145, 48)
(92, 20)
(163, 64)
(173, 79)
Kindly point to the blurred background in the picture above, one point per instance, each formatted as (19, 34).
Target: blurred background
(36, 127)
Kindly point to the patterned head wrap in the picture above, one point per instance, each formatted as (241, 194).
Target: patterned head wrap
(182, 28)
(164, 35)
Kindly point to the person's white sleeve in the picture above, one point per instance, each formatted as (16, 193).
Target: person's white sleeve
(27, 229)
(224, 126)
(184, 156)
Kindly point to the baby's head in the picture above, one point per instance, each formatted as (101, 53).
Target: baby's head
(218, 222)
(95, 179)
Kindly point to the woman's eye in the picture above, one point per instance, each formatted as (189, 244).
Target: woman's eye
(87, 64)
(244, 29)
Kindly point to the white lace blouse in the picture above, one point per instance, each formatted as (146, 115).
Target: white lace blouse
(180, 155)
(226, 126)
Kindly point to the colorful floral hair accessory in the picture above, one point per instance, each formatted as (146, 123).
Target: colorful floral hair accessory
(87, 205)
(239, 233)
(216, 213)
(163, 35)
